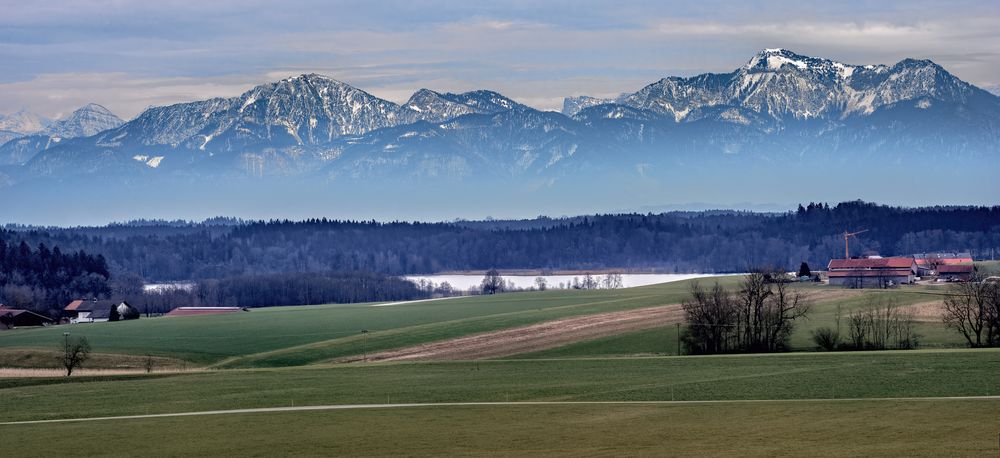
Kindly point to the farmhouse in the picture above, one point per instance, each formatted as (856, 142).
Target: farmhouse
(191, 311)
(928, 263)
(957, 272)
(95, 311)
(18, 318)
(872, 272)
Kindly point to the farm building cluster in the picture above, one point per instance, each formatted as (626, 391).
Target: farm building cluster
(879, 272)
(95, 311)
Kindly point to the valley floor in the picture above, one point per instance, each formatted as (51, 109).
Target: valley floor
(585, 373)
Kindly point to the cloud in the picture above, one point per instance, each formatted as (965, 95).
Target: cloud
(127, 55)
(55, 95)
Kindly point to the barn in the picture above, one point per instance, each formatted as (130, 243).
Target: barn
(928, 263)
(18, 318)
(955, 272)
(872, 272)
(192, 311)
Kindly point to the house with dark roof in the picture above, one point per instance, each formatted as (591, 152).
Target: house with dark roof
(95, 311)
(19, 318)
(872, 272)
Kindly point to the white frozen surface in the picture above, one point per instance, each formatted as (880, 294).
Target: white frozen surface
(465, 282)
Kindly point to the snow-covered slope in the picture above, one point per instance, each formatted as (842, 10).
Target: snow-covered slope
(303, 110)
(778, 107)
(85, 121)
(788, 86)
(574, 105)
(436, 107)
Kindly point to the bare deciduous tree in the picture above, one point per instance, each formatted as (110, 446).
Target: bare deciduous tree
(972, 309)
(757, 318)
(710, 315)
(612, 281)
(76, 352)
(880, 325)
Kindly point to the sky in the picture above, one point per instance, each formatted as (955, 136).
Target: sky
(58, 55)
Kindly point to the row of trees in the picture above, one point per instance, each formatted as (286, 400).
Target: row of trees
(279, 290)
(878, 325)
(758, 317)
(672, 242)
(494, 283)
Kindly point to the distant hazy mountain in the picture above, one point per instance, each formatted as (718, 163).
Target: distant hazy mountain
(574, 105)
(812, 122)
(433, 106)
(20, 124)
(83, 122)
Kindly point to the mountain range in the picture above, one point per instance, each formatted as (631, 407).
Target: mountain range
(27, 133)
(780, 112)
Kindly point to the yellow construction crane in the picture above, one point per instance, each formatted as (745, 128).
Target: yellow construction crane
(847, 251)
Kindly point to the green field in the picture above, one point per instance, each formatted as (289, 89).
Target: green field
(289, 336)
(779, 426)
(804, 403)
(330, 331)
(780, 376)
(873, 428)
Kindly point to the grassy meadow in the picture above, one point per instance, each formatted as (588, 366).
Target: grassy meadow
(812, 375)
(838, 397)
(868, 428)
(801, 403)
(282, 336)
(291, 336)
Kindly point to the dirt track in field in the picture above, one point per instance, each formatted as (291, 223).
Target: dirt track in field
(536, 337)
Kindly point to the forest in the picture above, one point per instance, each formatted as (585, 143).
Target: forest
(234, 252)
(720, 241)
(44, 280)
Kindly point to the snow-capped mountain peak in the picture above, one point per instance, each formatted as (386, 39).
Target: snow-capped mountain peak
(783, 85)
(85, 121)
(778, 59)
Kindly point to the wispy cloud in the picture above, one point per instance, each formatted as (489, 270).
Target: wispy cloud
(127, 55)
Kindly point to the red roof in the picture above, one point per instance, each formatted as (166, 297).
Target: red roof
(945, 261)
(955, 269)
(73, 305)
(190, 311)
(870, 273)
(871, 263)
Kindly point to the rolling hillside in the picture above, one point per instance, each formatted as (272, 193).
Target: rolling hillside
(291, 336)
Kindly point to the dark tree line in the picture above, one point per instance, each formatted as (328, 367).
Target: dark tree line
(44, 280)
(713, 241)
(305, 289)
(269, 290)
